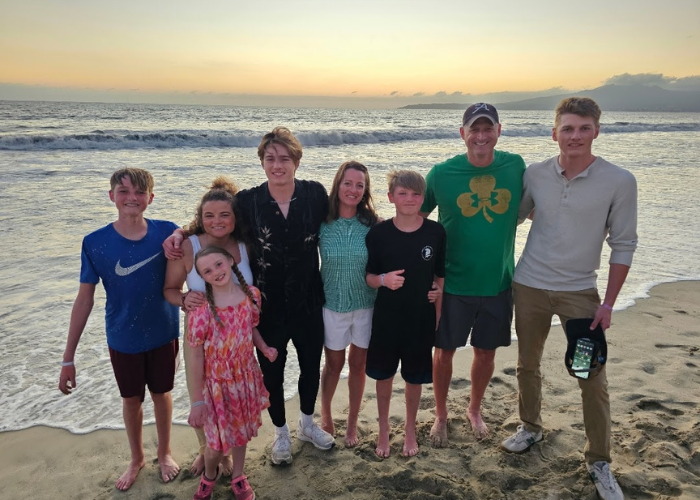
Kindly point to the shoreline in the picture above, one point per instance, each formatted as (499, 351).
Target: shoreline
(629, 302)
(654, 372)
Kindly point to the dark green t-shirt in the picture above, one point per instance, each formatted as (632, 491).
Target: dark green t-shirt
(478, 206)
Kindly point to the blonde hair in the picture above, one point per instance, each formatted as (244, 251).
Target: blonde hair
(139, 177)
(408, 179)
(581, 106)
(284, 137)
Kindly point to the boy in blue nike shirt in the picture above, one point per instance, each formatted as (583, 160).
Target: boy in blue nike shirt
(142, 327)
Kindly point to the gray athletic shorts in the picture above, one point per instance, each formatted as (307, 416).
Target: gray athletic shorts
(487, 319)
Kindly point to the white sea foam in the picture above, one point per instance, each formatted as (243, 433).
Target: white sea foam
(173, 139)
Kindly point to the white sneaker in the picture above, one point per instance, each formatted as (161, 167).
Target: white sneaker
(282, 448)
(315, 435)
(604, 481)
(521, 440)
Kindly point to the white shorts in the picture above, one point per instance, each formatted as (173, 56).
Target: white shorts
(342, 329)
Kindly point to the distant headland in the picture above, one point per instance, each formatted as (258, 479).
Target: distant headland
(609, 97)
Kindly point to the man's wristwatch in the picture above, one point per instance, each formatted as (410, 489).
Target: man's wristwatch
(381, 279)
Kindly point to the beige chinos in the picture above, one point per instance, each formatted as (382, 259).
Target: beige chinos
(534, 309)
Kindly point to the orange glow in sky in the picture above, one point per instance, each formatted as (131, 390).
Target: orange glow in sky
(361, 48)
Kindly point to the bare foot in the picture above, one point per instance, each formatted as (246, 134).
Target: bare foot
(327, 424)
(383, 449)
(410, 444)
(438, 433)
(479, 427)
(227, 465)
(127, 479)
(351, 438)
(197, 465)
(168, 468)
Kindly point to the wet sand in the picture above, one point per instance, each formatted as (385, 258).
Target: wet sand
(654, 381)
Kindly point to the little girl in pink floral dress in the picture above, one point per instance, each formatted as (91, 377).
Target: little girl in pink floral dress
(228, 393)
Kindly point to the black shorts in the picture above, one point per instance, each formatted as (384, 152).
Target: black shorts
(487, 319)
(405, 335)
(154, 368)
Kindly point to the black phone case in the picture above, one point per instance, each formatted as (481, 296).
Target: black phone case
(579, 328)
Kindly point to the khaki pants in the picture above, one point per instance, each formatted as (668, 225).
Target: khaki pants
(534, 309)
(201, 438)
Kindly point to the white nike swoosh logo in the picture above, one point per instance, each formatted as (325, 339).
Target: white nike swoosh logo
(125, 271)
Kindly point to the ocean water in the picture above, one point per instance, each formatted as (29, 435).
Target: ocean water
(56, 159)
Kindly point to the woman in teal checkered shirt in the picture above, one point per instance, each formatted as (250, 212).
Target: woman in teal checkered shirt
(347, 314)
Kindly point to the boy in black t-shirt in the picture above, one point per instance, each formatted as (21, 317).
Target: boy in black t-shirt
(406, 262)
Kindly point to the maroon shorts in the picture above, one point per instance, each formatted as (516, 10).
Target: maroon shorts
(154, 368)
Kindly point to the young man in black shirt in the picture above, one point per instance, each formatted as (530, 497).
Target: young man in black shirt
(285, 215)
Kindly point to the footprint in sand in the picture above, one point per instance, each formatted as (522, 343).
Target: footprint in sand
(654, 405)
(426, 403)
(499, 381)
(649, 368)
(459, 383)
(690, 349)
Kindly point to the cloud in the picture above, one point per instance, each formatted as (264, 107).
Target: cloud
(442, 93)
(354, 92)
(638, 79)
(456, 94)
(659, 79)
(419, 94)
(686, 83)
(394, 93)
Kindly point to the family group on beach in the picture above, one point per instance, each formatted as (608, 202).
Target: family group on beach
(405, 292)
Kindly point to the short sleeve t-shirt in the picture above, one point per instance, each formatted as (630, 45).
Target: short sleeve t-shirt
(420, 253)
(478, 206)
(137, 316)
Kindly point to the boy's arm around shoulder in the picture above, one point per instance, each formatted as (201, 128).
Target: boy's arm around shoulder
(527, 203)
(78, 318)
(429, 202)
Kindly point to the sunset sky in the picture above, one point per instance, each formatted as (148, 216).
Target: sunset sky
(378, 49)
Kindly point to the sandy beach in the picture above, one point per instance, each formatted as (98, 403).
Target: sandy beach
(654, 376)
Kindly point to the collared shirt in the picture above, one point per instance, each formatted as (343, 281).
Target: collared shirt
(343, 263)
(571, 220)
(284, 259)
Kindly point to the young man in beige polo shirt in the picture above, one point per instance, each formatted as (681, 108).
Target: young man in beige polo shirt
(577, 200)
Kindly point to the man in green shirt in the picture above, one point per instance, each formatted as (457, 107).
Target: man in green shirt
(477, 195)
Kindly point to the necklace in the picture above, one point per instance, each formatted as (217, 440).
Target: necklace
(283, 202)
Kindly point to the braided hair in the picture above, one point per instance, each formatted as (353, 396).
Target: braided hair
(234, 267)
